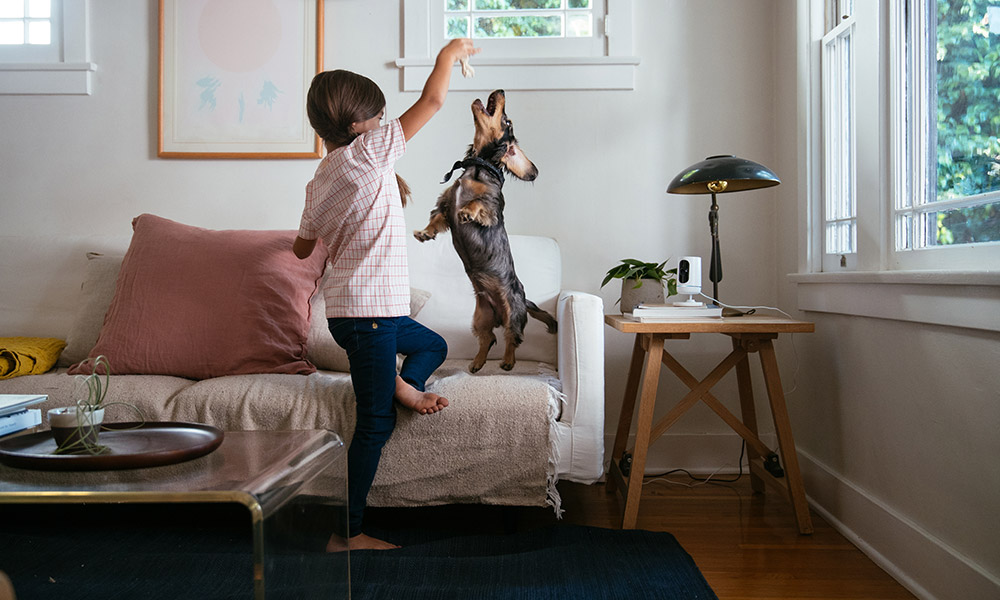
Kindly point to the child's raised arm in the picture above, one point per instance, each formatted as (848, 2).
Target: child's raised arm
(436, 89)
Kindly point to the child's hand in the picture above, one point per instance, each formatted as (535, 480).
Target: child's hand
(457, 49)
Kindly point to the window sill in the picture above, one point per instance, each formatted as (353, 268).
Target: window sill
(966, 299)
(46, 78)
(597, 73)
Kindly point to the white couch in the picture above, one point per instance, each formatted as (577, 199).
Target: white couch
(506, 438)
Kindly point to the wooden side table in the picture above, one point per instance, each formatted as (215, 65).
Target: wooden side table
(749, 334)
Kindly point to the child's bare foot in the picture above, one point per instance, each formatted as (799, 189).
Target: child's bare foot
(358, 542)
(424, 403)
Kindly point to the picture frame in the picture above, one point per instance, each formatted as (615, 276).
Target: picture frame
(236, 87)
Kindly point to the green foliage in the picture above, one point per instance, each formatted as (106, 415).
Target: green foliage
(968, 119)
(631, 268)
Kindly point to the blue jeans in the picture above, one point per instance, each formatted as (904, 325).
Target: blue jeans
(372, 345)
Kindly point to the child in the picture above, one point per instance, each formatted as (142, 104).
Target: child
(353, 204)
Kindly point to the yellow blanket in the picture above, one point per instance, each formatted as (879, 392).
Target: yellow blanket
(28, 356)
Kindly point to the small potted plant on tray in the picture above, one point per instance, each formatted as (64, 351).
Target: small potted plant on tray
(75, 428)
(642, 282)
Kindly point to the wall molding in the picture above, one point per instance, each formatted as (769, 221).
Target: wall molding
(924, 564)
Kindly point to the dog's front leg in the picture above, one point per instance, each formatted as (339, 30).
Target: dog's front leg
(436, 225)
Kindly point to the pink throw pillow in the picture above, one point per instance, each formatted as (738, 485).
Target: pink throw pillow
(198, 303)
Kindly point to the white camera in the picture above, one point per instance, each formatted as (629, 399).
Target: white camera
(689, 279)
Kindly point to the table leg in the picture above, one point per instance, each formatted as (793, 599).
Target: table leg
(628, 407)
(786, 443)
(749, 413)
(647, 402)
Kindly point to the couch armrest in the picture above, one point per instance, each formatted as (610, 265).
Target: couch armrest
(581, 372)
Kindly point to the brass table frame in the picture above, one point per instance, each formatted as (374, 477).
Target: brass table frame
(750, 334)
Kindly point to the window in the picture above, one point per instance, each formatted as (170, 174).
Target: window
(902, 109)
(43, 47)
(907, 158)
(525, 27)
(26, 30)
(840, 219)
(946, 127)
(528, 44)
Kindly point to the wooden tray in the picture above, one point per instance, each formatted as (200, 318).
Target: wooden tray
(132, 445)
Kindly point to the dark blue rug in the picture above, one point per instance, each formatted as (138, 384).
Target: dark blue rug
(150, 553)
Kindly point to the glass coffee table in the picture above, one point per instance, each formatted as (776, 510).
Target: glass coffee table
(268, 472)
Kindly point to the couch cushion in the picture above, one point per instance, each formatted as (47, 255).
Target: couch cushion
(436, 267)
(96, 294)
(198, 303)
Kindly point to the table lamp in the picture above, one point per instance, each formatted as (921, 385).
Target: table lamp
(720, 174)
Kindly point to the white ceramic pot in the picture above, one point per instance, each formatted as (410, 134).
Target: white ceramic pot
(71, 426)
(650, 292)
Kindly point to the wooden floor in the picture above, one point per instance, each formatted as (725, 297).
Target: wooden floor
(746, 545)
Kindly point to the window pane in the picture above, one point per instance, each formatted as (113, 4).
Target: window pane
(518, 27)
(964, 225)
(840, 237)
(457, 27)
(578, 4)
(517, 4)
(39, 32)
(11, 32)
(967, 140)
(579, 26)
(456, 5)
(11, 9)
(39, 9)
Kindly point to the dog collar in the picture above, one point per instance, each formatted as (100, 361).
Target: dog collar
(475, 162)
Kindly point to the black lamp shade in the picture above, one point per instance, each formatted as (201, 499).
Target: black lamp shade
(738, 173)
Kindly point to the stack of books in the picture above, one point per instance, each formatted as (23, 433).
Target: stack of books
(654, 313)
(15, 415)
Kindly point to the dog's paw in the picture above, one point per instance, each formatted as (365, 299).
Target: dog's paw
(507, 366)
(474, 368)
(475, 213)
(423, 235)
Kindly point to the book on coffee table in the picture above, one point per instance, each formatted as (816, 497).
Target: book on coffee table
(20, 421)
(15, 403)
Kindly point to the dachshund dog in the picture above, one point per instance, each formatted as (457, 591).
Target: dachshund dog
(472, 208)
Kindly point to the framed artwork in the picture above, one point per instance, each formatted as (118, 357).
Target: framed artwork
(234, 76)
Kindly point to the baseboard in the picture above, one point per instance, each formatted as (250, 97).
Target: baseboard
(924, 564)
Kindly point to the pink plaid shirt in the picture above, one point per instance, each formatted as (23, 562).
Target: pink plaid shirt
(353, 205)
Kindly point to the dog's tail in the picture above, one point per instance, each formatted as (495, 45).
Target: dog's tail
(543, 316)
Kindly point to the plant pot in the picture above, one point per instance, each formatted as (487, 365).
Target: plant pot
(75, 429)
(650, 292)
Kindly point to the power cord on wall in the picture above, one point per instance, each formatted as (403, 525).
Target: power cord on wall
(699, 480)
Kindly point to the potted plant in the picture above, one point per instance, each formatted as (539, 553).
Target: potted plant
(642, 282)
(75, 428)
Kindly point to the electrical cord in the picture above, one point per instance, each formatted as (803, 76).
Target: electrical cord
(701, 480)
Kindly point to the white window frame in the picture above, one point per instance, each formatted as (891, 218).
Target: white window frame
(67, 70)
(611, 67)
(958, 286)
(840, 145)
(910, 192)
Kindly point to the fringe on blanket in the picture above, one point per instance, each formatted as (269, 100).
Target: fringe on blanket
(556, 400)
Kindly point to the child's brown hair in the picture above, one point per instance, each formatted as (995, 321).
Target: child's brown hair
(339, 98)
